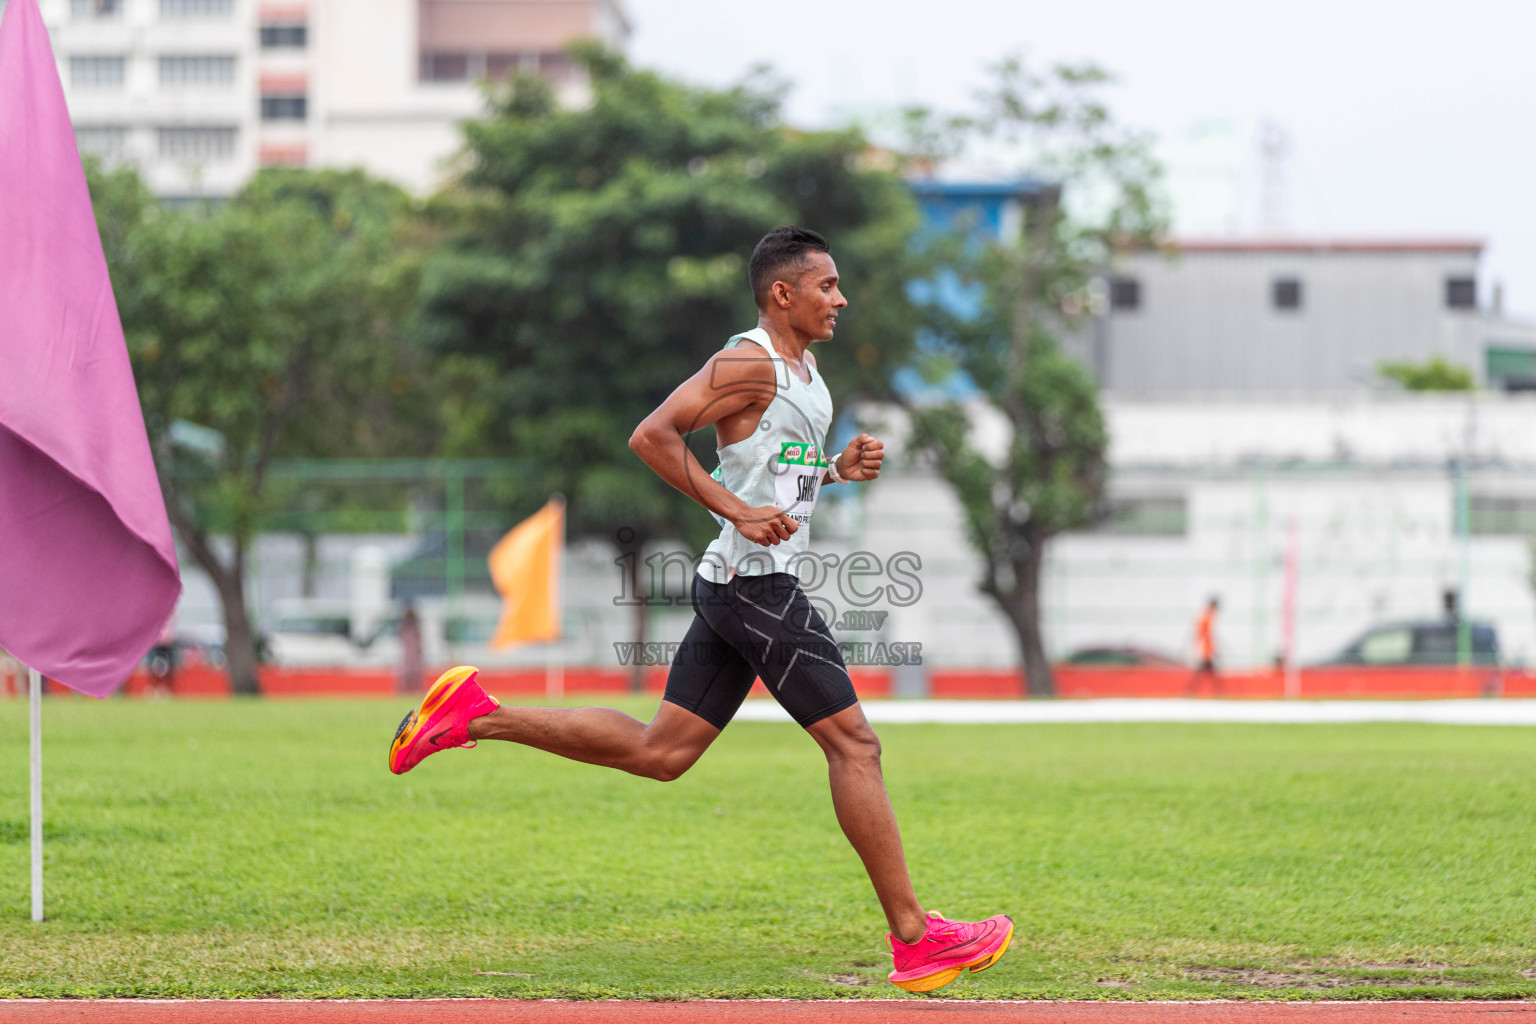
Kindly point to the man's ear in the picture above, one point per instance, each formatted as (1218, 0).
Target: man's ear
(782, 294)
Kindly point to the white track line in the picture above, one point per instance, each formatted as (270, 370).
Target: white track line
(1151, 709)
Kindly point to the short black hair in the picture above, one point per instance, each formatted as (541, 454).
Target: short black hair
(781, 248)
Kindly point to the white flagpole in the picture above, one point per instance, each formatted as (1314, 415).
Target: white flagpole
(36, 698)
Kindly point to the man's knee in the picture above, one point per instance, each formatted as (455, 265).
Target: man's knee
(666, 764)
(858, 743)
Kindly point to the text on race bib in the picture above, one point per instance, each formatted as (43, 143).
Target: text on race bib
(797, 472)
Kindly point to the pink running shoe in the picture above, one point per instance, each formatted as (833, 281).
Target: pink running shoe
(442, 721)
(946, 949)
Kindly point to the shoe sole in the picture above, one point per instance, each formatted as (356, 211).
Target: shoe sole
(440, 693)
(939, 979)
(986, 962)
(405, 723)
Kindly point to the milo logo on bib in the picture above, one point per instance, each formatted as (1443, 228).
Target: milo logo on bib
(798, 472)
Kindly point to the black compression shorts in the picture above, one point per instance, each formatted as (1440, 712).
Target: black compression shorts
(758, 626)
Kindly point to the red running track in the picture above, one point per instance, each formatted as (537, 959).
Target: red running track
(901, 1011)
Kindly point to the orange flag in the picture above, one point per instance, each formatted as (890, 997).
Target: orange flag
(525, 567)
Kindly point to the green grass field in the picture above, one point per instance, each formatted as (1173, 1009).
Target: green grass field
(248, 848)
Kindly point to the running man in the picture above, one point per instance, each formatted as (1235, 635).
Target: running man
(771, 412)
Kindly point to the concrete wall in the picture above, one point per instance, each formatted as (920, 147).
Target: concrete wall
(1206, 323)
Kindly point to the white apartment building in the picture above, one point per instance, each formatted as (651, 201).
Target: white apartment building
(200, 93)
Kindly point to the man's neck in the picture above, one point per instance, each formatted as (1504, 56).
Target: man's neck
(790, 343)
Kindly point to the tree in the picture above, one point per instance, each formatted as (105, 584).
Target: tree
(1437, 374)
(597, 257)
(271, 323)
(1038, 292)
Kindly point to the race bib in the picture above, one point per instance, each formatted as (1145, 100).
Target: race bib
(798, 473)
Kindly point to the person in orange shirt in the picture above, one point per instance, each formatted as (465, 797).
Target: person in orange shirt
(1205, 652)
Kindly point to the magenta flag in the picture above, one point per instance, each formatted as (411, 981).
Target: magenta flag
(88, 575)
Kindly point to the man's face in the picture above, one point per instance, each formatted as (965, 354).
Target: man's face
(815, 301)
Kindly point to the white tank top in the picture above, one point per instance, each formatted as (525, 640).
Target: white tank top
(780, 464)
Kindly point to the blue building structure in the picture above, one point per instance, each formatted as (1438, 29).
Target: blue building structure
(990, 210)
(993, 209)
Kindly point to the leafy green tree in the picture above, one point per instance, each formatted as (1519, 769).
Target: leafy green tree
(597, 257)
(1038, 292)
(1438, 374)
(272, 322)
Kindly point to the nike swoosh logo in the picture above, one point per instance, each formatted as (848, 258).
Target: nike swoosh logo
(433, 739)
(978, 940)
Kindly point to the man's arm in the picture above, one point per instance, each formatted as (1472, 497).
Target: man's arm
(732, 383)
(861, 459)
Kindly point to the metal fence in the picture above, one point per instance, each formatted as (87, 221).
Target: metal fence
(347, 543)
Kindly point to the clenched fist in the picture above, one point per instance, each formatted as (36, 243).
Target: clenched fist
(861, 459)
(766, 525)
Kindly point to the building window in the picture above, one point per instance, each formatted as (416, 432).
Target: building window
(1160, 516)
(197, 143)
(1285, 293)
(96, 72)
(95, 8)
(1124, 293)
(196, 8)
(107, 141)
(557, 67)
(459, 67)
(1505, 515)
(196, 70)
(499, 66)
(444, 67)
(1461, 292)
(278, 36)
(284, 108)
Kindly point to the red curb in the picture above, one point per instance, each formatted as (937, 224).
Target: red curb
(1073, 681)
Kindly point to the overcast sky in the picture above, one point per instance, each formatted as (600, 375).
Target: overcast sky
(1405, 119)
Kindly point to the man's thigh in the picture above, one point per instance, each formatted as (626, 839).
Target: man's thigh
(709, 677)
(776, 629)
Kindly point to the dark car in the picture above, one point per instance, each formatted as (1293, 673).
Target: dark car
(1121, 656)
(191, 646)
(1432, 642)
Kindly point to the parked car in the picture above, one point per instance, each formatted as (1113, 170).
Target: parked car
(316, 633)
(1427, 642)
(190, 647)
(312, 633)
(1122, 656)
